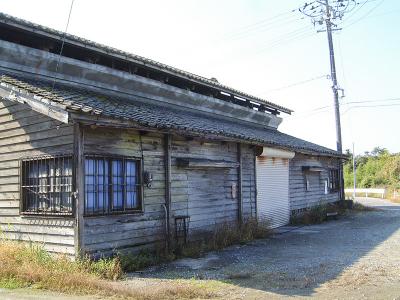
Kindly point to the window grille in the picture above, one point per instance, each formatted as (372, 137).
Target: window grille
(333, 180)
(46, 185)
(112, 185)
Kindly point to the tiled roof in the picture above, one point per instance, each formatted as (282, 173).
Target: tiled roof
(163, 117)
(149, 63)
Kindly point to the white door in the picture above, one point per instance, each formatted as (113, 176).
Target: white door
(273, 190)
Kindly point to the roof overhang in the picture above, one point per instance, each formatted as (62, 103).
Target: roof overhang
(136, 59)
(38, 104)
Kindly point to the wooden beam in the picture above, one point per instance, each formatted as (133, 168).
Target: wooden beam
(198, 163)
(167, 162)
(239, 184)
(39, 104)
(79, 183)
(255, 180)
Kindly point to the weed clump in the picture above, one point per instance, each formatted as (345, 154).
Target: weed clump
(227, 234)
(313, 215)
(360, 207)
(224, 235)
(30, 265)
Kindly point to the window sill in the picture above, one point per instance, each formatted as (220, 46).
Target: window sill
(116, 214)
(46, 216)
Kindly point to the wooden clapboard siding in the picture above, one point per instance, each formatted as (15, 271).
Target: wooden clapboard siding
(205, 194)
(209, 199)
(25, 133)
(107, 234)
(299, 197)
(248, 182)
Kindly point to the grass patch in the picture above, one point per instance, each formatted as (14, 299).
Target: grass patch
(318, 214)
(224, 235)
(29, 265)
(360, 207)
(133, 262)
(227, 234)
(313, 215)
(11, 283)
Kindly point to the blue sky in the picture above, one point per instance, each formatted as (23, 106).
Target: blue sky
(261, 47)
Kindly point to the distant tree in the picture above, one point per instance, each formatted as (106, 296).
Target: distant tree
(377, 168)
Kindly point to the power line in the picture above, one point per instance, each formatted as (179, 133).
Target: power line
(369, 101)
(287, 38)
(260, 24)
(370, 106)
(327, 108)
(356, 10)
(365, 15)
(62, 44)
(297, 83)
(341, 59)
(266, 27)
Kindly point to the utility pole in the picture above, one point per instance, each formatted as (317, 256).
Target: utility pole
(333, 77)
(354, 174)
(323, 12)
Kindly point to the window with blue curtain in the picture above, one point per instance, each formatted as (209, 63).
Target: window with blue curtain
(112, 185)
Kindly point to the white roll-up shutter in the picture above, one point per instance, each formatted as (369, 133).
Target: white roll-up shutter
(273, 190)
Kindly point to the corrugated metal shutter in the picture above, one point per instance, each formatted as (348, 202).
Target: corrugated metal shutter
(273, 190)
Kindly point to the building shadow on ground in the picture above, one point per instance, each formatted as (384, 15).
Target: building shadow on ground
(294, 263)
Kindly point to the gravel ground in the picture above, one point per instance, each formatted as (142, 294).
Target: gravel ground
(355, 257)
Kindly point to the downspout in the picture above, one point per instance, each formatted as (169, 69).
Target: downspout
(167, 205)
(239, 183)
(166, 227)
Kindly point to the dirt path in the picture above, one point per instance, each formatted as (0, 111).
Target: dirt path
(356, 257)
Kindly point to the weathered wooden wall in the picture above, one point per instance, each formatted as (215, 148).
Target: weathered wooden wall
(207, 195)
(299, 197)
(249, 182)
(108, 233)
(25, 133)
(204, 194)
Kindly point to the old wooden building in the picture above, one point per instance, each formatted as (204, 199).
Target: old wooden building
(102, 150)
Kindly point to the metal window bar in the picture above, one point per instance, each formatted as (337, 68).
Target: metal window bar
(46, 185)
(112, 186)
(333, 180)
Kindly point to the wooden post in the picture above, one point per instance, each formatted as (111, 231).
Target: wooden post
(255, 182)
(240, 175)
(167, 162)
(79, 183)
